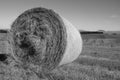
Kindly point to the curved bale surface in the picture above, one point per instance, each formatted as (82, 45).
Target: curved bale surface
(42, 37)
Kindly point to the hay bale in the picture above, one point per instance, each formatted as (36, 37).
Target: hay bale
(42, 37)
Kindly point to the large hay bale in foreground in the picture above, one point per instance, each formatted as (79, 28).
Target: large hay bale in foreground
(42, 37)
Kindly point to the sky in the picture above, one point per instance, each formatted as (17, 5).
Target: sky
(83, 14)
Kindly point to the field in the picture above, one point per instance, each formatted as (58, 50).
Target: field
(99, 60)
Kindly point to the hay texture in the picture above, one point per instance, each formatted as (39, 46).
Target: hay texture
(42, 37)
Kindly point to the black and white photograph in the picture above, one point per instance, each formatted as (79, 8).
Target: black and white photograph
(59, 39)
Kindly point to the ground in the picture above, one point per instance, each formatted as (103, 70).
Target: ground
(99, 60)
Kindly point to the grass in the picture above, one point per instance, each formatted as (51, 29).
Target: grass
(99, 60)
(110, 53)
(102, 62)
(105, 48)
(75, 71)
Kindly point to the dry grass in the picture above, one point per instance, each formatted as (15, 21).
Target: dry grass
(75, 71)
(106, 48)
(98, 61)
(102, 62)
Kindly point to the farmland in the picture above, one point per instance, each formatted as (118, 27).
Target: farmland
(99, 60)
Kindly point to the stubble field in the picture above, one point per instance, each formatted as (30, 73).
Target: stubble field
(99, 60)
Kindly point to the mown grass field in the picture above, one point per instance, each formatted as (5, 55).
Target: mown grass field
(99, 60)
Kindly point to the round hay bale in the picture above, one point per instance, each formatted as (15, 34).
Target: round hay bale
(42, 37)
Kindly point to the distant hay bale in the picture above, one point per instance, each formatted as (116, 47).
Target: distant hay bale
(42, 37)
